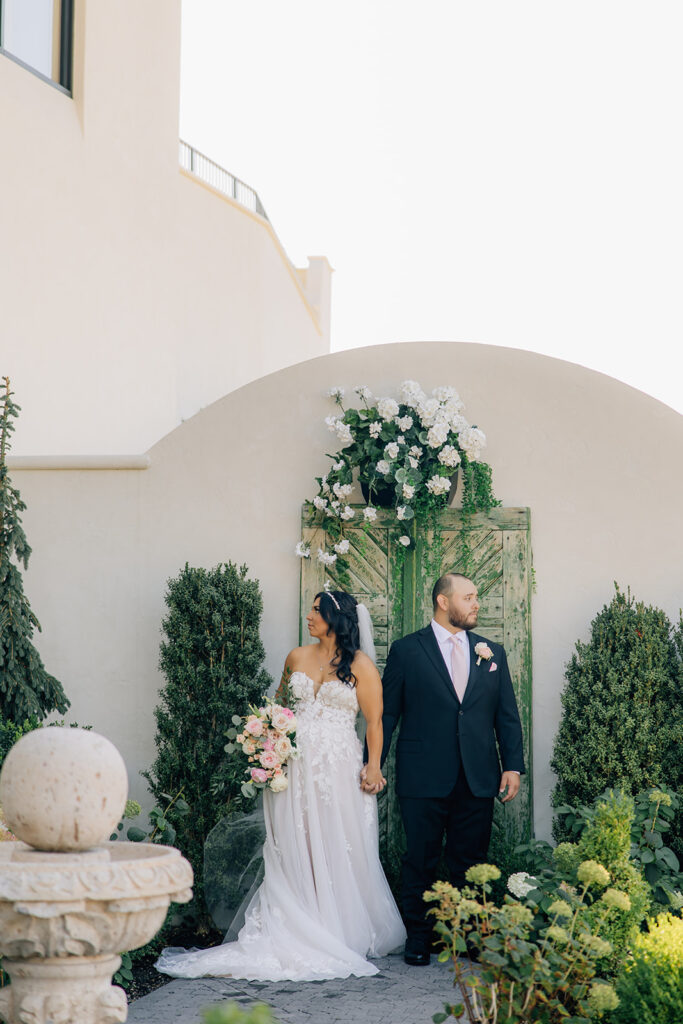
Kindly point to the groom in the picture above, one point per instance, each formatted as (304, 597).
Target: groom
(452, 691)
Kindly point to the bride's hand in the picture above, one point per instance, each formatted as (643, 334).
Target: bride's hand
(372, 780)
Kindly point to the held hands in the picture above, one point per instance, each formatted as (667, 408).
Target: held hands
(372, 780)
(508, 781)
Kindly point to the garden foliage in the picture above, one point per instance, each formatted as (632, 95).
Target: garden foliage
(211, 657)
(622, 721)
(26, 689)
(650, 989)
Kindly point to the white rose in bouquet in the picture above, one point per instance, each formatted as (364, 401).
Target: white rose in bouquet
(279, 782)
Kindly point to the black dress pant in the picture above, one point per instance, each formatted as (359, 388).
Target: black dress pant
(466, 821)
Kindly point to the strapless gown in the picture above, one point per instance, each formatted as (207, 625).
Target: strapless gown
(324, 905)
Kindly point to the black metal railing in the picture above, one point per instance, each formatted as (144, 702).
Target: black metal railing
(223, 181)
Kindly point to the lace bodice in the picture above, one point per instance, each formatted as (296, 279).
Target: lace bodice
(333, 697)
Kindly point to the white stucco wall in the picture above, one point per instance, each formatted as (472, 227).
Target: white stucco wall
(131, 294)
(596, 461)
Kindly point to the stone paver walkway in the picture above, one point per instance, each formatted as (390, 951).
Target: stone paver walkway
(397, 995)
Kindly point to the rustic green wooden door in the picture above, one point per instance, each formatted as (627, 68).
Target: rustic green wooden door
(494, 550)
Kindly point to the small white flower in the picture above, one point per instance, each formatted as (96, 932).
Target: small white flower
(404, 540)
(375, 428)
(331, 422)
(327, 585)
(415, 451)
(344, 432)
(338, 465)
(383, 467)
(427, 411)
(401, 512)
(408, 491)
(342, 547)
(348, 512)
(400, 439)
(336, 505)
(458, 423)
(387, 408)
(438, 485)
(437, 435)
(449, 456)
(391, 450)
(336, 393)
(324, 486)
(404, 422)
(369, 514)
(411, 393)
(445, 394)
(342, 490)
(326, 557)
(472, 440)
(363, 392)
(518, 885)
(302, 550)
(320, 503)
(413, 462)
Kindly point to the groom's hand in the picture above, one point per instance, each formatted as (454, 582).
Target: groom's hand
(374, 785)
(511, 780)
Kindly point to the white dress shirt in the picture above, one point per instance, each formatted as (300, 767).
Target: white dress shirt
(443, 639)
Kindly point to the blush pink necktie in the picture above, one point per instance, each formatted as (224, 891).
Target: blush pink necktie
(459, 668)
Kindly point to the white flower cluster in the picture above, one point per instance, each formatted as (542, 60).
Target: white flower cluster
(326, 557)
(347, 513)
(437, 435)
(391, 450)
(302, 550)
(375, 429)
(404, 540)
(320, 503)
(472, 441)
(411, 393)
(341, 429)
(370, 514)
(408, 491)
(383, 467)
(438, 484)
(387, 408)
(336, 393)
(518, 885)
(404, 422)
(342, 490)
(449, 456)
(342, 547)
(363, 392)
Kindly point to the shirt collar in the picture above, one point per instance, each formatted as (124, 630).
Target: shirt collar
(443, 635)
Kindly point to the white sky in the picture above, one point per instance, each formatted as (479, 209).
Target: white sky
(501, 172)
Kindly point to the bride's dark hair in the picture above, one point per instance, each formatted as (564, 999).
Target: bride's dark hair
(338, 609)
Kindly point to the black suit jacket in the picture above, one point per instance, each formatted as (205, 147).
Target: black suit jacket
(438, 736)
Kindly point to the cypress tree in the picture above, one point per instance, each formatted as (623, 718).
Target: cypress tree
(26, 689)
(211, 657)
(622, 720)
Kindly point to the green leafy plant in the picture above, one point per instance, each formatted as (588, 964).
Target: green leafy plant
(404, 454)
(211, 657)
(650, 988)
(544, 975)
(26, 689)
(124, 975)
(622, 720)
(231, 1013)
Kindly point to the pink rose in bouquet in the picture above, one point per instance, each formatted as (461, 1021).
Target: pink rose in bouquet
(266, 740)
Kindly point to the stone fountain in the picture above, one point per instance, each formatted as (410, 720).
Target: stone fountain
(70, 900)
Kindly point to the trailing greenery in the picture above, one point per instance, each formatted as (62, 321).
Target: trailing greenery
(26, 689)
(622, 721)
(650, 989)
(231, 1013)
(211, 657)
(548, 974)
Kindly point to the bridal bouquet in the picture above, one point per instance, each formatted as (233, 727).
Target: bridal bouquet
(266, 739)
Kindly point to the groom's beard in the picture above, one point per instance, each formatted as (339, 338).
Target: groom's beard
(468, 621)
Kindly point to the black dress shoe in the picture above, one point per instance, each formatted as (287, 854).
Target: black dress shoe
(417, 957)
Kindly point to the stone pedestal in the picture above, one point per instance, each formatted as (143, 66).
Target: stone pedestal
(67, 912)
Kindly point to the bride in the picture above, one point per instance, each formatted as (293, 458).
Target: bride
(324, 905)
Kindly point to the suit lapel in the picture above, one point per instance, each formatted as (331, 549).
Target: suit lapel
(428, 641)
(474, 668)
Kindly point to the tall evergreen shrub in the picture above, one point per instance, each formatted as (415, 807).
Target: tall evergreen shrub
(26, 689)
(622, 721)
(211, 657)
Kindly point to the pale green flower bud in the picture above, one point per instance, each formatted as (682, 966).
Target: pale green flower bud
(598, 946)
(602, 998)
(560, 908)
(516, 913)
(557, 934)
(657, 797)
(617, 899)
(591, 873)
(479, 874)
(470, 907)
(132, 809)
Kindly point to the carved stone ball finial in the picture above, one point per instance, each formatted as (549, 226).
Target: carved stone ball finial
(63, 789)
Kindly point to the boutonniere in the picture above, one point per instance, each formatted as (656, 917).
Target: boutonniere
(483, 650)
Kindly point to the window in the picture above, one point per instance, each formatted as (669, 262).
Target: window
(39, 34)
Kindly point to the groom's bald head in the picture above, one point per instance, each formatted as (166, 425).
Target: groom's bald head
(444, 585)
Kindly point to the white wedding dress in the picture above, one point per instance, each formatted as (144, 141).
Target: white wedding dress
(324, 905)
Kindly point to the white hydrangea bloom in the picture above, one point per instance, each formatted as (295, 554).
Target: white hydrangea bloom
(375, 428)
(342, 547)
(336, 393)
(404, 422)
(472, 441)
(438, 484)
(348, 512)
(320, 503)
(437, 435)
(370, 514)
(449, 455)
(518, 885)
(302, 550)
(326, 557)
(383, 467)
(387, 408)
(408, 491)
(411, 393)
(391, 450)
(404, 540)
(363, 392)
(342, 490)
